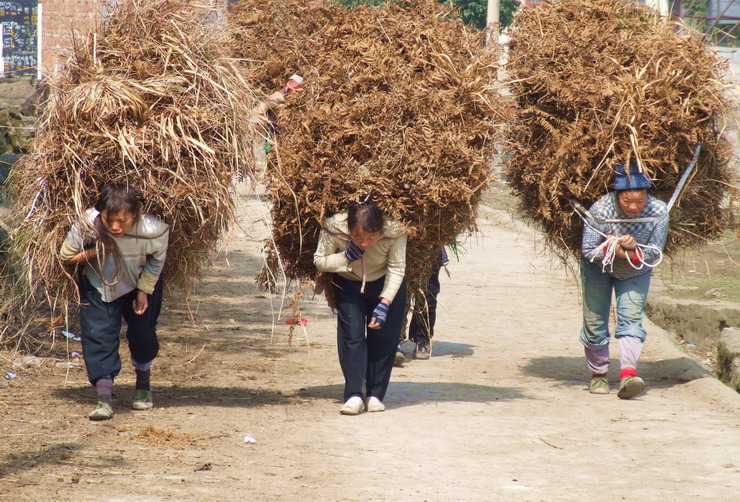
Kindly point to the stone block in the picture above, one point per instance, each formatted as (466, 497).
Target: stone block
(696, 321)
(728, 357)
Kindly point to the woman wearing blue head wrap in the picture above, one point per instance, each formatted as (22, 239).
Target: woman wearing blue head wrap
(620, 247)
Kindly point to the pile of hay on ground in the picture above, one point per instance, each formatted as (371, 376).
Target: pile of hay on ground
(604, 82)
(147, 101)
(399, 102)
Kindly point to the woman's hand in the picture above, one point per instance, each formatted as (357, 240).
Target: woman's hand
(353, 251)
(379, 314)
(628, 242)
(141, 303)
(84, 256)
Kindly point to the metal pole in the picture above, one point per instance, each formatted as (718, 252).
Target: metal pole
(716, 19)
(687, 9)
(728, 33)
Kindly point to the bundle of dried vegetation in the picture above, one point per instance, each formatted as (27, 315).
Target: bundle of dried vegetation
(149, 101)
(400, 103)
(604, 82)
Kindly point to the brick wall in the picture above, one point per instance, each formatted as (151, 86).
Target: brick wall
(58, 20)
(61, 17)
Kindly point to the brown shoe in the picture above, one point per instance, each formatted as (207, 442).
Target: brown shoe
(629, 387)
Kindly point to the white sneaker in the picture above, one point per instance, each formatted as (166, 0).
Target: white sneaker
(374, 404)
(353, 406)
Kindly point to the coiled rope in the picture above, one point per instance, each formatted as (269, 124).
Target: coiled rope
(610, 253)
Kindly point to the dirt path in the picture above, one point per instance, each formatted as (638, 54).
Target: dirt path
(500, 412)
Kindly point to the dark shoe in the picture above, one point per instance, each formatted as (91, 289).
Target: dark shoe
(629, 387)
(422, 350)
(599, 385)
(102, 412)
(142, 400)
(400, 357)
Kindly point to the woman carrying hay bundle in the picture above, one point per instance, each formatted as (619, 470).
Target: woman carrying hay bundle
(122, 261)
(366, 252)
(621, 245)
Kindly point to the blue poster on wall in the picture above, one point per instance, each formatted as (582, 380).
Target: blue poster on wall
(19, 20)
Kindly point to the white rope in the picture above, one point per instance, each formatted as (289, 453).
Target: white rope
(610, 253)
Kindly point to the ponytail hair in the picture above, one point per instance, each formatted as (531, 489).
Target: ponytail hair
(366, 216)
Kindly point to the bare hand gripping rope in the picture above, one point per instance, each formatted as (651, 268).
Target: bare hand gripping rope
(611, 242)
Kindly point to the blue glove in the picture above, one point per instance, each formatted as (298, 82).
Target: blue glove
(353, 252)
(381, 313)
(443, 258)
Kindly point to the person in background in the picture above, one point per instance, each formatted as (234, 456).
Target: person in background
(617, 257)
(366, 252)
(264, 117)
(122, 253)
(421, 327)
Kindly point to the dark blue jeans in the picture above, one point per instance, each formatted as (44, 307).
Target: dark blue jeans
(421, 328)
(101, 330)
(366, 355)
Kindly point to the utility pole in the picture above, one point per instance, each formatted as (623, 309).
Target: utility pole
(493, 19)
(494, 12)
(660, 5)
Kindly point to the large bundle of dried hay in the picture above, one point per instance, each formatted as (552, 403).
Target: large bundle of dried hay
(604, 82)
(399, 102)
(146, 101)
(277, 39)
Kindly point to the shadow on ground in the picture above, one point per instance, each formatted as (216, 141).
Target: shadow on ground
(20, 461)
(401, 394)
(657, 374)
(440, 349)
(175, 396)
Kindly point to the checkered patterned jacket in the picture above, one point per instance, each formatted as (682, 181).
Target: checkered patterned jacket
(652, 233)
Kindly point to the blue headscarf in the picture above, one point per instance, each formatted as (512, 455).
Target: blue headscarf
(635, 181)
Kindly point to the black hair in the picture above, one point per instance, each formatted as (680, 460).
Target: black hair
(367, 216)
(114, 198)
